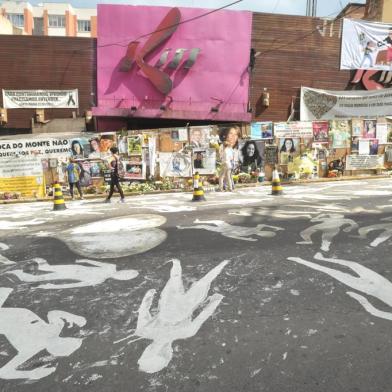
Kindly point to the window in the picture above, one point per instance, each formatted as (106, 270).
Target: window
(84, 26)
(16, 19)
(56, 21)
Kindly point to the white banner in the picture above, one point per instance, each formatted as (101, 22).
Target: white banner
(40, 99)
(364, 162)
(38, 147)
(319, 104)
(302, 129)
(366, 45)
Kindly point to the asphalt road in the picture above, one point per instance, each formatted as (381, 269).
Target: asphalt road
(243, 292)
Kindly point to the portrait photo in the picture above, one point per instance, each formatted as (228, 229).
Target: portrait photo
(251, 154)
(320, 131)
(369, 129)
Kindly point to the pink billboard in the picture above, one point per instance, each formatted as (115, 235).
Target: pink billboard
(173, 63)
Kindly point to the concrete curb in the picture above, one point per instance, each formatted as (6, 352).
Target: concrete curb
(208, 189)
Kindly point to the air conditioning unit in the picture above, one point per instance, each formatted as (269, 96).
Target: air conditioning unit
(3, 116)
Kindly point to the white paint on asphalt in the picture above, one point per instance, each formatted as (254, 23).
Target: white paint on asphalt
(233, 231)
(272, 213)
(385, 228)
(329, 226)
(29, 335)
(18, 225)
(173, 318)
(3, 259)
(365, 281)
(81, 275)
(118, 237)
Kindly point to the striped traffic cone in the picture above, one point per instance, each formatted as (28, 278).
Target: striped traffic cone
(276, 186)
(198, 192)
(58, 200)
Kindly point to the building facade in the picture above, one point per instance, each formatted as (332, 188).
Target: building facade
(51, 19)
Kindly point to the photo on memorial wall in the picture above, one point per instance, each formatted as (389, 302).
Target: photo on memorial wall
(175, 164)
(133, 171)
(95, 150)
(261, 130)
(134, 145)
(230, 134)
(364, 147)
(122, 144)
(320, 131)
(175, 135)
(80, 148)
(204, 160)
(373, 146)
(289, 145)
(199, 136)
(251, 155)
(355, 144)
(85, 173)
(357, 127)
(96, 169)
(340, 133)
(369, 128)
(106, 142)
(382, 133)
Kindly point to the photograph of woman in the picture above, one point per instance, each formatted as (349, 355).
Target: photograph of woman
(369, 131)
(77, 150)
(251, 158)
(288, 145)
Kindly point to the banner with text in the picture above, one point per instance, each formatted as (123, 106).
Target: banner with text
(329, 105)
(364, 162)
(40, 99)
(366, 45)
(302, 129)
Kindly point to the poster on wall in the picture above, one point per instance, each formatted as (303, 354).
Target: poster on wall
(122, 144)
(261, 130)
(271, 154)
(134, 170)
(320, 131)
(288, 148)
(204, 160)
(107, 140)
(200, 136)
(357, 127)
(175, 164)
(134, 145)
(382, 133)
(40, 99)
(355, 144)
(251, 154)
(366, 45)
(364, 162)
(80, 148)
(339, 133)
(317, 104)
(363, 147)
(301, 129)
(369, 129)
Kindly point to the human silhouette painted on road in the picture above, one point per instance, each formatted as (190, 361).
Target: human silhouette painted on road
(232, 231)
(329, 225)
(365, 281)
(173, 319)
(80, 275)
(385, 228)
(29, 335)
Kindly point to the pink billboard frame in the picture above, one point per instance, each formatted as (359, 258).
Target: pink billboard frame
(218, 80)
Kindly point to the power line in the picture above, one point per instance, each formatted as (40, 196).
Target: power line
(119, 43)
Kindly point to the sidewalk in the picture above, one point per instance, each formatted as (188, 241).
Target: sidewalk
(207, 189)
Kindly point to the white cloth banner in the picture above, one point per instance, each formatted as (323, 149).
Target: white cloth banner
(40, 99)
(364, 162)
(319, 104)
(302, 129)
(366, 45)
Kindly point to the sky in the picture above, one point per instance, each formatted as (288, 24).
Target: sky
(293, 7)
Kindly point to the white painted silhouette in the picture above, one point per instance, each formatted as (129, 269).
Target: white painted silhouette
(329, 226)
(3, 259)
(29, 335)
(276, 214)
(8, 225)
(385, 228)
(93, 274)
(366, 281)
(173, 318)
(232, 231)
